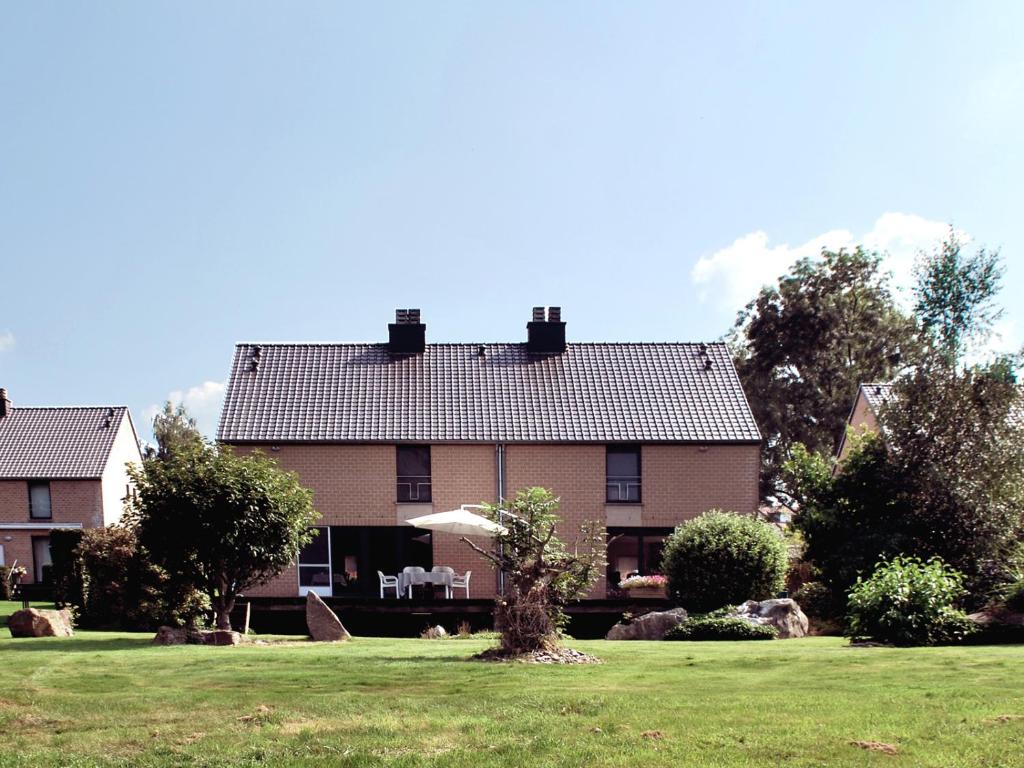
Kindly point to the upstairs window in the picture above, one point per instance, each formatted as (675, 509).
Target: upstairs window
(623, 474)
(39, 501)
(413, 473)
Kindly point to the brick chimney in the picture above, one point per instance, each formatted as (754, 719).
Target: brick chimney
(407, 335)
(6, 406)
(545, 335)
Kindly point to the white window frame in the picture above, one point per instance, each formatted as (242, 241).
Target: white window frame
(327, 591)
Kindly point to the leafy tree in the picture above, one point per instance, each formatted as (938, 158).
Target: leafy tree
(851, 519)
(219, 522)
(803, 346)
(955, 295)
(541, 573)
(175, 431)
(955, 442)
(944, 478)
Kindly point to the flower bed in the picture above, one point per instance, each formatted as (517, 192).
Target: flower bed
(644, 586)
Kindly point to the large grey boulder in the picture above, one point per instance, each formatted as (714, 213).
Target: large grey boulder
(650, 626)
(185, 636)
(34, 622)
(324, 625)
(784, 614)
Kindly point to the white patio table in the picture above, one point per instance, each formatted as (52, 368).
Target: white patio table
(406, 581)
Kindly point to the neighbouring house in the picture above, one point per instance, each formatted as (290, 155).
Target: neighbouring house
(62, 467)
(864, 415)
(640, 436)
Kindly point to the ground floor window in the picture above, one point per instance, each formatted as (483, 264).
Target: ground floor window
(41, 559)
(344, 560)
(633, 551)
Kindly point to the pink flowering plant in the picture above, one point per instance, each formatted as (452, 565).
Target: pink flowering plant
(643, 582)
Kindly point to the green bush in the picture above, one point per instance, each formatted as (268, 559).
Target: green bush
(121, 589)
(817, 601)
(907, 601)
(67, 572)
(721, 629)
(1012, 596)
(5, 583)
(721, 558)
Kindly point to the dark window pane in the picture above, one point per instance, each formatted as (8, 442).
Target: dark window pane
(623, 461)
(414, 473)
(314, 576)
(623, 470)
(414, 460)
(317, 550)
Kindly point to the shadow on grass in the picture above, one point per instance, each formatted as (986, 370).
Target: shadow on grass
(74, 644)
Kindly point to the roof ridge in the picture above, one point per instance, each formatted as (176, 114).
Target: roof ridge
(67, 408)
(479, 343)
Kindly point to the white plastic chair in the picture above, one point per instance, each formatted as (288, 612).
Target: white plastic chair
(410, 570)
(387, 582)
(451, 572)
(461, 582)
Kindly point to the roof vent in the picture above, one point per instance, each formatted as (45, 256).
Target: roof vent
(708, 365)
(407, 335)
(546, 335)
(254, 358)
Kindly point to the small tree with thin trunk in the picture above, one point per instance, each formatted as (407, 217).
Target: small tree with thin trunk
(219, 522)
(541, 573)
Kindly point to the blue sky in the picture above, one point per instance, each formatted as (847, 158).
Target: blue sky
(176, 177)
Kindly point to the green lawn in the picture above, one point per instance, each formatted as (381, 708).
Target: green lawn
(113, 699)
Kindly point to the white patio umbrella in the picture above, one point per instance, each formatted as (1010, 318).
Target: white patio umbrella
(459, 521)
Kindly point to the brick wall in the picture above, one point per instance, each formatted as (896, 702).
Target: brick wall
(355, 485)
(71, 501)
(464, 474)
(683, 481)
(575, 473)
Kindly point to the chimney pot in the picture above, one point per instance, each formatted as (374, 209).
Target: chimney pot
(407, 335)
(6, 406)
(546, 336)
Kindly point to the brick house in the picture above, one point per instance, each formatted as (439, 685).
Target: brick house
(639, 436)
(863, 416)
(59, 468)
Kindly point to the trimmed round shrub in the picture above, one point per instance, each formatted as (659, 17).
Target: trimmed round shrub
(908, 601)
(721, 629)
(722, 558)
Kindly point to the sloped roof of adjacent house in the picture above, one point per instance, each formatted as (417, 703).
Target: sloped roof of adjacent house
(876, 393)
(592, 392)
(58, 443)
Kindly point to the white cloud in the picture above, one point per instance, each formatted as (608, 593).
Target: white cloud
(203, 402)
(6, 340)
(1005, 339)
(737, 272)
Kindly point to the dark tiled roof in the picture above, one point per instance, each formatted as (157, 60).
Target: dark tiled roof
(57, 443)
(451, 392)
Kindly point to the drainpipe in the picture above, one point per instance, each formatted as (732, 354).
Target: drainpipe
(499, 472)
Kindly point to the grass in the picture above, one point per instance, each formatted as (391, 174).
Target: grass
(112, 699)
